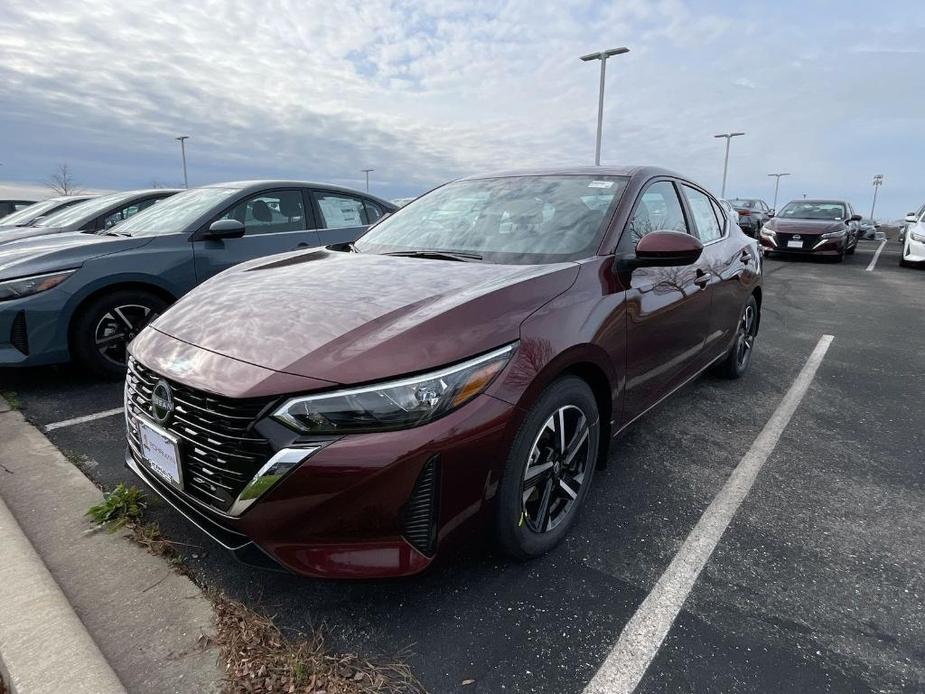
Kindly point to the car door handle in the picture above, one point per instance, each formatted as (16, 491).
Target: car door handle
(702, 278)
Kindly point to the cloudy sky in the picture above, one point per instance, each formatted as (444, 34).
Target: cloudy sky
(424, 91)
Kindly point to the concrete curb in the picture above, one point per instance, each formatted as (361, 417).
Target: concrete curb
(44, 647)
(144, 618)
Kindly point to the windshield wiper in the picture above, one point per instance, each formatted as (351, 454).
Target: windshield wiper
(438, 255)
(115, 233)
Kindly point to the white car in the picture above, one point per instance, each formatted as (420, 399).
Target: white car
(914, 238)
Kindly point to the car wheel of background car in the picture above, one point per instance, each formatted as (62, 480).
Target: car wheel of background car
(851, 250)
(549, 469)
(102, 330)
(736, 362)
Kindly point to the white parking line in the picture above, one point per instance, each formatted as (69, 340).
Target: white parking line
(643, 635)
(81, 420)
(873, 261)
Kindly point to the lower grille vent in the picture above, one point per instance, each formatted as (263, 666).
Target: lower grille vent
(19, 338)
(419, 515)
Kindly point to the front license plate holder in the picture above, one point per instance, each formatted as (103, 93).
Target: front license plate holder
(794, 244)
(160, 452)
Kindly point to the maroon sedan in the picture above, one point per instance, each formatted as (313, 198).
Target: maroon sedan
(813, 227)
(355, 411)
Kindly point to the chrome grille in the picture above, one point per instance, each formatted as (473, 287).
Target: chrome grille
(219, 450)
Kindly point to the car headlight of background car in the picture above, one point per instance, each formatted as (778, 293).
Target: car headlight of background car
(395, 404)
(835, 234)
(918, 236)
(26, 286)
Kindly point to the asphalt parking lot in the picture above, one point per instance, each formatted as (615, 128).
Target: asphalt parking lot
(817, 584)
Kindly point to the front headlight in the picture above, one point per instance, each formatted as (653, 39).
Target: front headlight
(834, 234)
(918, 236)
(26, 286)
(768, 233)
(396, 404)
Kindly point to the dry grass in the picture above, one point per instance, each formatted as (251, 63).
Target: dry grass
(259, 658)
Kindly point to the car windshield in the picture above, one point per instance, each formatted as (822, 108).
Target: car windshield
(83, 211)
(176, 214)
(807, 209)
(747, 204)
(515, 220)
(27, 214)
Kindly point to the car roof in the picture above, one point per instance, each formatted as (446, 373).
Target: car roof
(247, 186)
(826, 201)
(629, 170)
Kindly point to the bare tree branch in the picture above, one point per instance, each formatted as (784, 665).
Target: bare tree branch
(62, 181)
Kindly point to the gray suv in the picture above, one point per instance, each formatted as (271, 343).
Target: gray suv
(87, 295)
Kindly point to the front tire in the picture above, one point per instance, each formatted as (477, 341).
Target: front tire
(549, 469)
(103, 328)
(737, 360)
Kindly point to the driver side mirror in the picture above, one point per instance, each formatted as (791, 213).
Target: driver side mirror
(664, 248)
(771, 213)
(225, 229)
(910, 217)
(855, 218)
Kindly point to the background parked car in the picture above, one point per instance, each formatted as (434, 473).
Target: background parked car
(867, 228)
(376, 396)
(914, 240)
(94, 215)
(910, 219)
(10, 206)
(87, 296)
(816, 227)
(32, 213)
(753, 213)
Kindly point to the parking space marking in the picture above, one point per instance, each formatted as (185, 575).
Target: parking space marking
(873, 261)
(643, 635)
(85, 418)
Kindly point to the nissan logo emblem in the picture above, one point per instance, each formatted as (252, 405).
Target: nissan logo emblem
(162, 402)
(796, 236)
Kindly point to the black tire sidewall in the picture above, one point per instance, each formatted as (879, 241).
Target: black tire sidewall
(87, 318)
(515, 538)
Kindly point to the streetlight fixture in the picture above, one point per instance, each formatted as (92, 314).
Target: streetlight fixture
(878, 181)
(182, 140)
(367, 172)
(728, 137)
(602, 56)
(776, 186)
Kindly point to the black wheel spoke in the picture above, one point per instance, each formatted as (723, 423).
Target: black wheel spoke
(543, 512)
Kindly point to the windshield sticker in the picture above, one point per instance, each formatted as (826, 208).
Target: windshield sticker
(600, 184)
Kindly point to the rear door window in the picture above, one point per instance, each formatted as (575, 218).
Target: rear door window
(339, 211)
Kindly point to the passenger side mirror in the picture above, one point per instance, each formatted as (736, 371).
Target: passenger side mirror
(225, 229)
(910, 217)
(855, 218)
(667, 248)
(771, 213)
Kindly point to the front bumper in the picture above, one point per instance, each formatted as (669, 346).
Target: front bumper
(342, 513)
(810, 244)
(32, 331)
(913, 251)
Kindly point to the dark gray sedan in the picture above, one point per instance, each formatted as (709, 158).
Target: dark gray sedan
(93, 215)
(85, 296)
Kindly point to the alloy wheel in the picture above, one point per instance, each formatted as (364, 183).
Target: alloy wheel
(556, 469)
(746, 339)
(118, 327)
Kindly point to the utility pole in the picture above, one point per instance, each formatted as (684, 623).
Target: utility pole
(776, 186)
(367, 172)
(602, 56)
(728, 137)
(182, 140)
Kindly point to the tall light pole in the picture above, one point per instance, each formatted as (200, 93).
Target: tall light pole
(602, 56)
(728, 137)
(878, 181)
(367, 172)
(776, 186)
(182, 140)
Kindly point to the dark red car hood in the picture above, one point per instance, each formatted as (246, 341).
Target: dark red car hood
(805, 226)
(352, 318)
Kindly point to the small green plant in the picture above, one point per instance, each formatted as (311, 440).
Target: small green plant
(120, 507)
(11, 399)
